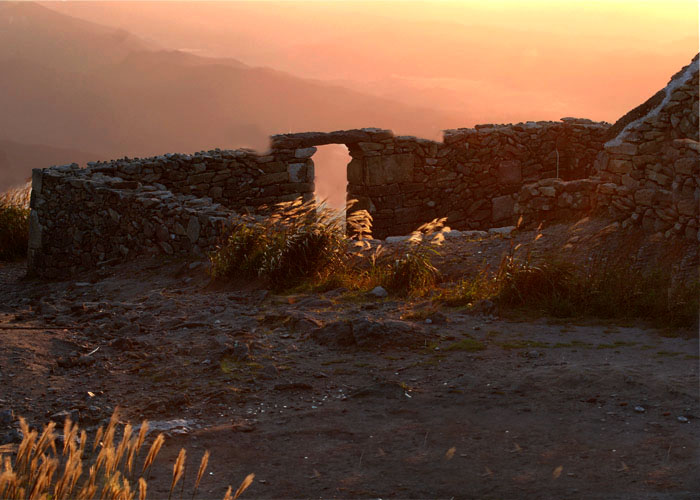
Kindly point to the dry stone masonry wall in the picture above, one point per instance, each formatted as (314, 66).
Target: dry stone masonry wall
(172, 204)
(643, 170)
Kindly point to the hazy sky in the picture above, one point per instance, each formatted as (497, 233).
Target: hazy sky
(417, 67)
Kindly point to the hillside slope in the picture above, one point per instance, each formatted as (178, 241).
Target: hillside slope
(81, 86)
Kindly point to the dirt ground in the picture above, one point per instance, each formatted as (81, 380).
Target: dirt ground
(335, 396)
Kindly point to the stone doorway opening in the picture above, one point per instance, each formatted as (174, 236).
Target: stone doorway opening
(330, 172)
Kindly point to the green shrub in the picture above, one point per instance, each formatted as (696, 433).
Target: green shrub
(304, 254)
(412, 273)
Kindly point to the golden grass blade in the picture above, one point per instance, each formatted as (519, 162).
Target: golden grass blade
(111, 429)
(123, 444)
(178, 469)
(8, 484)
(67, 428)
(77, 472)
(244, 485)
(228, 496)
(83, 443)
(98, 437)
(202, 467)
(142, 488)
(134, 451)
(25, 449)
(124, 491)
(153, 452)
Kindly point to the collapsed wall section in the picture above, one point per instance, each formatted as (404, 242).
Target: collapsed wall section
(650, 172)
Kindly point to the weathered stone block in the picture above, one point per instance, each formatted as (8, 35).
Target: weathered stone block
(687, 165)
(688, 207)
(502, 208)
(297, 172)
(644, 197)
(620, 166)
(269, 179)
(355, 172)
(549, 191)
(370, 146)
(388, 169)
(625, 148)
(35, 231)
(193, 229)
(510, 172)
(304, 152)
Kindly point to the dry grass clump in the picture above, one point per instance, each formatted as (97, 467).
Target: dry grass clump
(14, 223)
(306, 244)
(42, 471)
(17, 197)
(412, 272)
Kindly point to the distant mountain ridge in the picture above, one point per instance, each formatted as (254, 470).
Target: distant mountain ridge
(17, 160)
(85, 87)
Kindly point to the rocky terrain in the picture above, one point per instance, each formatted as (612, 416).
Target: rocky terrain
(340, 394)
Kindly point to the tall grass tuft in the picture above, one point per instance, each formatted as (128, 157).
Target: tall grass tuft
(14, 223)
(306, 243)
(41, 471)
(413, 272)
(299, 241)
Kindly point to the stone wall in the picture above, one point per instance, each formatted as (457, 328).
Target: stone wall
(171, 204)
(472, 177)
(240, 180)
(479, 178)
(554, 200)
(175, 203)
(81, 221)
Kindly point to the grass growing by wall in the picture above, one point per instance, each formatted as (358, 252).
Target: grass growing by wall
(298, 242)
(606, 287)
(14, 223)
(304, 245)
(106, 467)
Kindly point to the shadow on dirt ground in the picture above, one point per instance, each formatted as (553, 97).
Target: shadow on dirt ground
(324, 396)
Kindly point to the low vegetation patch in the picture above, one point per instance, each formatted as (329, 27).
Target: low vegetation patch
(607, 287)
(466, 344)
(305, 246)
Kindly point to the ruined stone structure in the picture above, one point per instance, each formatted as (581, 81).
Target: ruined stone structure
(643, 170)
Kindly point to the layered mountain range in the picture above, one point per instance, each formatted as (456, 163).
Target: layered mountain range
(71, 85)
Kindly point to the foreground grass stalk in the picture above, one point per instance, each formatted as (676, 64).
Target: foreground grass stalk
(40, 471)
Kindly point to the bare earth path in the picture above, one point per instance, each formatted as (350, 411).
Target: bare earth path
(461, 406)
